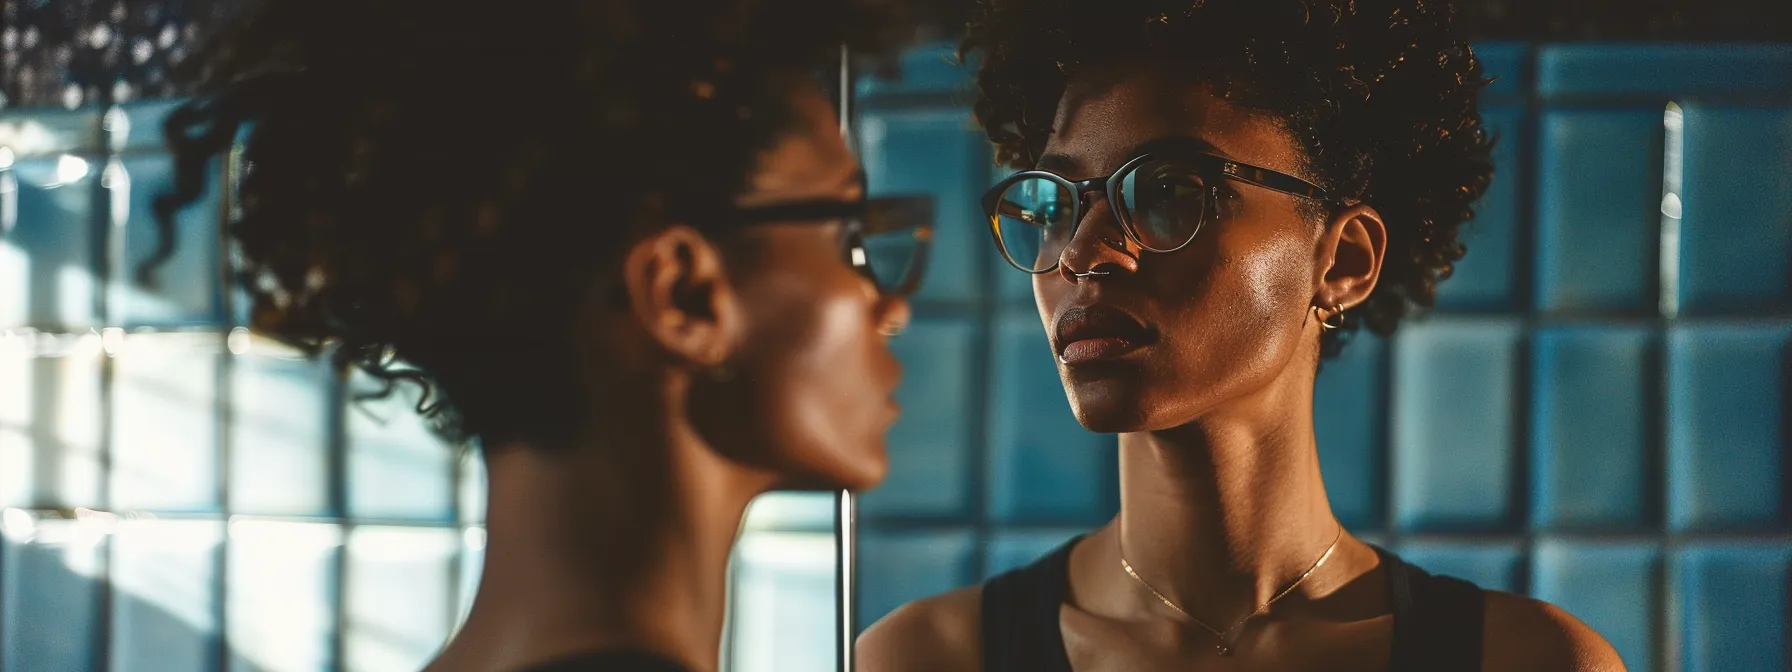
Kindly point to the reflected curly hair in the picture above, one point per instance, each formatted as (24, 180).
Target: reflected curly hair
(1381, 94)
(441, 187)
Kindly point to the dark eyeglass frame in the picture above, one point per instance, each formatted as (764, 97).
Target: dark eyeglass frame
(1208, 165)
(868, 217)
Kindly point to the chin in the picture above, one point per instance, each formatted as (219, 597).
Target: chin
(858, 470)
(1103, 409)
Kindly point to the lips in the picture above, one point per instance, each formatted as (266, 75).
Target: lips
(1098, 332)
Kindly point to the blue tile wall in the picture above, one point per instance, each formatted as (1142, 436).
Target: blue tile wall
(1612, 587)
(1558, 427)
(1455, 443)
(1491, 565)
(1591, 427)
(1598, 210)
(1044, 468)
(1352, 432)
(1008, 550)
(1663, 70)
(931, 445)
(1732, 606)
(1727, 413)
(1736, 203)
(52, 595)
(908, 564)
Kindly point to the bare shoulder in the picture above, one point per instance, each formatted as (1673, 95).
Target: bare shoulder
(940, 633)
(1521, 633)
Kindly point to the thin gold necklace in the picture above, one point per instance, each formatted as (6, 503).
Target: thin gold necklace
(1227, 637)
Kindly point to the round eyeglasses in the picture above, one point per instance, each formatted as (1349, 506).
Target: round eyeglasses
(1161, 199)
(885, 239)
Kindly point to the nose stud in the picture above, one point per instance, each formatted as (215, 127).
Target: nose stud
(1090, 274)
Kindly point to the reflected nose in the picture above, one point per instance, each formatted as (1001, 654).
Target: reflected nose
(1099, 247)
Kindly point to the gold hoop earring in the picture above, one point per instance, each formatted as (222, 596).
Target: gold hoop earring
(1325, 321)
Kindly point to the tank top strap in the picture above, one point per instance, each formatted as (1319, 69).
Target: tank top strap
(1020, 610)
(1437, 619)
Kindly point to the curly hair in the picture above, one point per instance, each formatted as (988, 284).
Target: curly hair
(1381, 94)
(429, 193)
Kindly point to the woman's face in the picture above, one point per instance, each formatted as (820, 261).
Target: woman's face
(809, 393)
(1161, 339)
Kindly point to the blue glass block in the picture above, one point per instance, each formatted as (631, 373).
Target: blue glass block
(793, 512)
(1350, 421)
(138, 125)
(472, 565)
(1490, 565)
(280, 595)
(1008, 550)
(1454, 415)
(398, 468)
(39, 132)
(1663, 70)
(165, 423)
(895, 568)
(50, 429)
(1486, 278)
(1726, 407)
(1591, 427)
(1736, 200)
(931, 68)
(1505, 63)
(1731, 607)
(1598, 210)
(1611, 587)
(930, 447)
(49, 246)
(187, 290)
(164, 579)
(783, 606)
(1043, 466)
(279, 433)
(473, 488)
(939, 153)
(399, 593)
(51, 592)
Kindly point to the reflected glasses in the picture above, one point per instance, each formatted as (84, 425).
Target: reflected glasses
(886, 239)
(1161, 199)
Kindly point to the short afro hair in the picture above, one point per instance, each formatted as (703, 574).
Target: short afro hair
(440, 185)
(1381, 93)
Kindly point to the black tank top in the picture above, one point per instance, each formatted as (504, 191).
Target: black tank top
(1437, 619)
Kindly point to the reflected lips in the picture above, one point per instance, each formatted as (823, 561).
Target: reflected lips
(1088, 334)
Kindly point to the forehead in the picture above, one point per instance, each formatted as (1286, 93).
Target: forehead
(1106, 112)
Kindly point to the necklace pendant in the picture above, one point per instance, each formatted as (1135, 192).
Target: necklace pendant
(1225, 651)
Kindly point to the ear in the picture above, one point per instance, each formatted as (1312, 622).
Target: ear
(679, 291)
(1350, 256)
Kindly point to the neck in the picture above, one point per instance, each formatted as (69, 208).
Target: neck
(604, 548)
(1230, 508)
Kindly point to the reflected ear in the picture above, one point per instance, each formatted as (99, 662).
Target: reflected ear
(1350, 257)
(679, 291)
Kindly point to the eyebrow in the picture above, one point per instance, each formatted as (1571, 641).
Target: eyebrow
(1064, 164)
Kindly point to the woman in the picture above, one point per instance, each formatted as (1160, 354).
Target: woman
(621, 244)
(1217, 193)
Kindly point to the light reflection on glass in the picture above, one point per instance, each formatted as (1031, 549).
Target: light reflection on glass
(164, 589)
(398, 592)
(280, 595)
(783, 603)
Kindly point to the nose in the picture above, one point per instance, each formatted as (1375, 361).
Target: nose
(893, 315)
(1099, 246)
